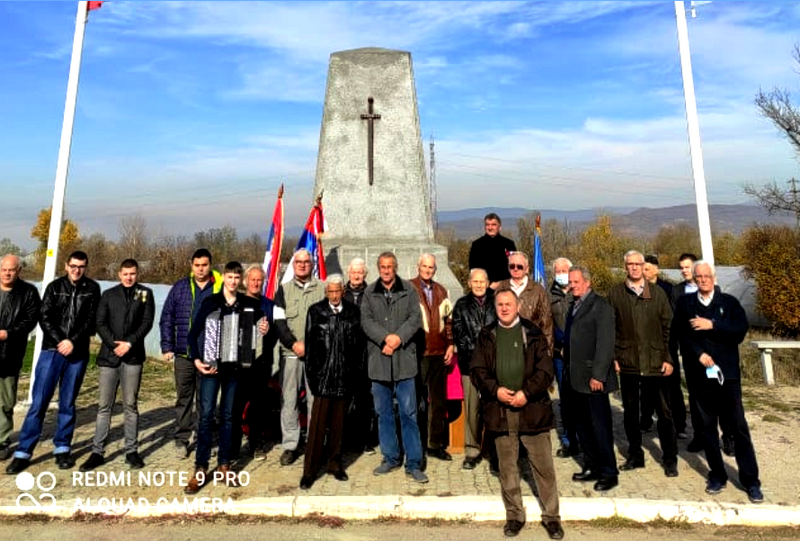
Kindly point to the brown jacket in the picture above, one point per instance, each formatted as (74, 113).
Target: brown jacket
(535, 307)
(535, 416)
(437, 321)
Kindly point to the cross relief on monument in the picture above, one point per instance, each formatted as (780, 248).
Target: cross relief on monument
(370, 117)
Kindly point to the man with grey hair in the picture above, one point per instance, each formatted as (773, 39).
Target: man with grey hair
(19, 313)
(292, 302)
(472, 312)
(709, 326)
(560, 299)
(436, 341)
(362, 424)
(642, 319)
(390, 317)
(333, 346)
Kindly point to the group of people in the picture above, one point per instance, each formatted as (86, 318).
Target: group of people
(350, 350)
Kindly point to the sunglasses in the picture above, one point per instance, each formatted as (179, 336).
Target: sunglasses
(513, 266)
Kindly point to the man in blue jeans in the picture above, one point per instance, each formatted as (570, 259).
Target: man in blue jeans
(390, 317)
(69, 308)
(218, 375)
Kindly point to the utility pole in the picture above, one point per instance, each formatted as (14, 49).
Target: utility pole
(433, 197)
(701, 197)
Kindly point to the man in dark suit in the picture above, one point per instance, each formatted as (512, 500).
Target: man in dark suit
(124, 317)
(589, 370)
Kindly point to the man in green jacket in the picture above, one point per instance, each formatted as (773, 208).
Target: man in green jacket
(643, 317)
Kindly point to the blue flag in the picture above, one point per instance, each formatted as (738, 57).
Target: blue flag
(538, 256)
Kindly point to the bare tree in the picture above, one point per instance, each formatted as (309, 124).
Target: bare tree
(777, 106)
(132, 236)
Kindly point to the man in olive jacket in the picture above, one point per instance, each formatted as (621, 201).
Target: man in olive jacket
(124, 317)
(642, 320)
(512, 367)
(390, 318)
(19, 313)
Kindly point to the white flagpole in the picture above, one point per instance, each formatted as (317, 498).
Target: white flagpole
(62, 168)
(701, 197)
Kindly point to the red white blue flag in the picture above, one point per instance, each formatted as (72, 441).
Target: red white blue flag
(311, 240)
(272, 256)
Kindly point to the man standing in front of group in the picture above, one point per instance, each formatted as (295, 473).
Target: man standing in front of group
(334, 345)
(391, 318)
(472, 312)
(589, 352)
(642, 319)
(512, 367)
(69, 309)
(124, 317)
(490, 252)
(710, 325)
(177, 316)
(438, 352)
(291, 308)
(19, 313)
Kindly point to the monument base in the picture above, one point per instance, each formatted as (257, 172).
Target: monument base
(406, 251)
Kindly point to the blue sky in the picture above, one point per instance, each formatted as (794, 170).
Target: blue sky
(191, 114)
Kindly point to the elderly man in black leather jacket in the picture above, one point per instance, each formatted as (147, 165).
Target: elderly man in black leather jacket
(69, 309)
(472, 312)
(19, 313)
(334, 352)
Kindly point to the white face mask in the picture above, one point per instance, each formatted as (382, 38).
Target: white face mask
(562, 279)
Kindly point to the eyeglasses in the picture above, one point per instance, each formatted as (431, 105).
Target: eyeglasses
(302, 261)
(77, 267)
(514, 266)
(634, 264)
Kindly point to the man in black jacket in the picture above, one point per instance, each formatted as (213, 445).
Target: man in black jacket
(710, 325)
(19, 313)
(490, 252)
(124, 317)
(472, 312)
(69, 309)
(589, 355)
(334, 347)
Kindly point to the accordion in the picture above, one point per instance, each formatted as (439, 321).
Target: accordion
(232, 338)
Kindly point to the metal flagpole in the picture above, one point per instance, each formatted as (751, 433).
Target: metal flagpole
(62, 168)
(696, 151)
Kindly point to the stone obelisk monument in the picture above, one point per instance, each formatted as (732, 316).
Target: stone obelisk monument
(371, 166)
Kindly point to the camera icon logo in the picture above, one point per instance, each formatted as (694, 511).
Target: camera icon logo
(44, 482)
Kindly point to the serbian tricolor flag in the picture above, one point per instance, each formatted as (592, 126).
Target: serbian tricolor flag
(272, 255)
(93, 5)
(311, 240)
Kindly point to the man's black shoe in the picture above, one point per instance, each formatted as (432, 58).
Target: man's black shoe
(586, 475)
(134, 460)
(288, 457)
(470, 463)
(306, 482)
(440, 453)
(554, 529)
(728, 447)
(64, 461)
(17, 465)
(340, 475)
(632, 464)
(695, 446)
(94, 460)
(494, 467)
(671, 470)
(567, 451)
(512, 528)
(606, 483)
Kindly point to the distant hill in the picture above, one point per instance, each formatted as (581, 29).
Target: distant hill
(468, 223)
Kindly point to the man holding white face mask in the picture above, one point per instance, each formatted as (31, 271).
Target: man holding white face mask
(710, 325)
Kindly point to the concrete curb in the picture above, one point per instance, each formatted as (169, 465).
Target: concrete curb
(457, 508)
